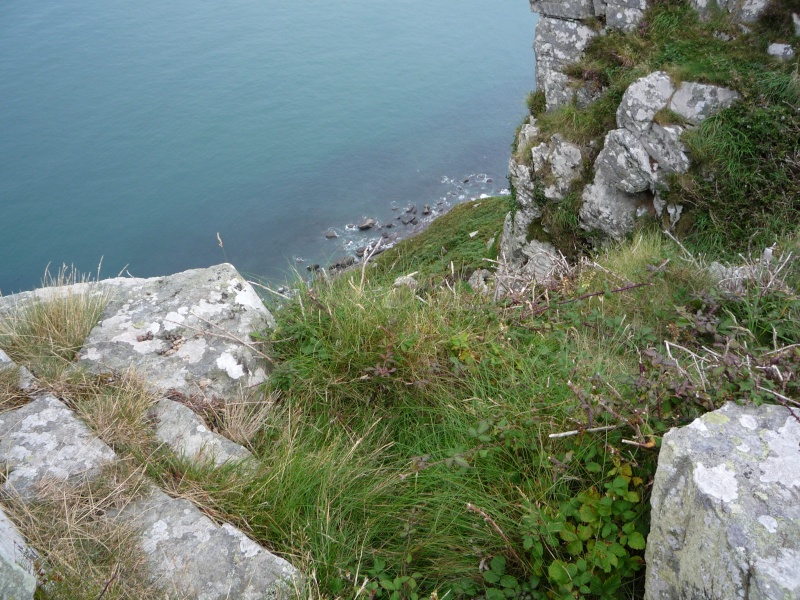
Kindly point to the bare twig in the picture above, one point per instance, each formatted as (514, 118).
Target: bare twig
(114, 575)
(589, 430)
(472, 508)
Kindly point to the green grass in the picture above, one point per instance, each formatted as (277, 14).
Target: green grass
(446, 246)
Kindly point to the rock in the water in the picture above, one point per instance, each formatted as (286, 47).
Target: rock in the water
(695, 102)
(45, 440)
(189, 332)
(726, 508)
(190, 555)
(642, 100)
(17, 574)
(331, 234)
(182, 430)
(782, 51)
(368, 223)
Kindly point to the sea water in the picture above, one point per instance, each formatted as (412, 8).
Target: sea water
(161, 136)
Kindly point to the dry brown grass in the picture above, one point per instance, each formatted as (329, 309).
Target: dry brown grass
(44, 330)
(82, 552)
(11, 396)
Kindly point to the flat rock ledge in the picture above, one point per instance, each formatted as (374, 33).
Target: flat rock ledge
(188, 554)
(188, 336)
(188, 332)
(726, 508)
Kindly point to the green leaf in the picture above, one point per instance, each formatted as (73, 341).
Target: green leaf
(498, 564)
(636, 541)
(461, 462)
(575, 548)
(491, 576)
(483, 426)
(557, 571)
(494, 594)
(508, 581)
(593, 467)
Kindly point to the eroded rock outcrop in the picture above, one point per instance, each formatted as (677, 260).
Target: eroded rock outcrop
(726, 508)
(188, 332)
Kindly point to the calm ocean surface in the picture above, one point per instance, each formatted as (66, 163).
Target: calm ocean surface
(135, 131)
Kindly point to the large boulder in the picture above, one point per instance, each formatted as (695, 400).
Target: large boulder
(624, 163)
(557, 163)
(642, 100)
(695, 102)
(188, 332)
(726, 508)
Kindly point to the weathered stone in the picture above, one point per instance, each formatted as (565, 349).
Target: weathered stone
(606, 208)
(726, 508)
(368, 223)
(557, 164)
(695, 102)
(527, 133)
(183, 431)
(188, 332)
(642, 100)
(624, 163)
(190, 555)
(521, 178)
(746, 11)
(574, 9)
(26, 379)
(479, 281)
(664, 145)
(45, 440)
(557, 44)
(782, 51)
(17, 574)
(796, 22)
(623, 15)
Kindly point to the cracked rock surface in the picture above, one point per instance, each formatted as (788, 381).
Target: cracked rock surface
(726, 508)
(183, 332)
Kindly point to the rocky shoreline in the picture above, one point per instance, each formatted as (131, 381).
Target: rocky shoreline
(372, 234)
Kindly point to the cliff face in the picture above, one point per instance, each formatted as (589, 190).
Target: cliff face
(614, 180)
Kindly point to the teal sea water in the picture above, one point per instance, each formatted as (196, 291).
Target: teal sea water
(137, 131)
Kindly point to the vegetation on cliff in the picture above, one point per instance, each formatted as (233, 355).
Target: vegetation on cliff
(431, 442)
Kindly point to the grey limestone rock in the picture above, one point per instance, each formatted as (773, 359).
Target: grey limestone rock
(782, 51)
(26, 378)
(17, 574)
(574, 10)
(642, 100)
(695, 102)
(195, 558)
(186, 434)
(796, 22)
(45, 440)
(624, 16)
(521, 176)
(527, 133)
(186, 332)
(558, 43)
(480, 280)
(557, 164)
(726, 508)
(606, 208)
(664, 145)
(746, 11)
(624, 163)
